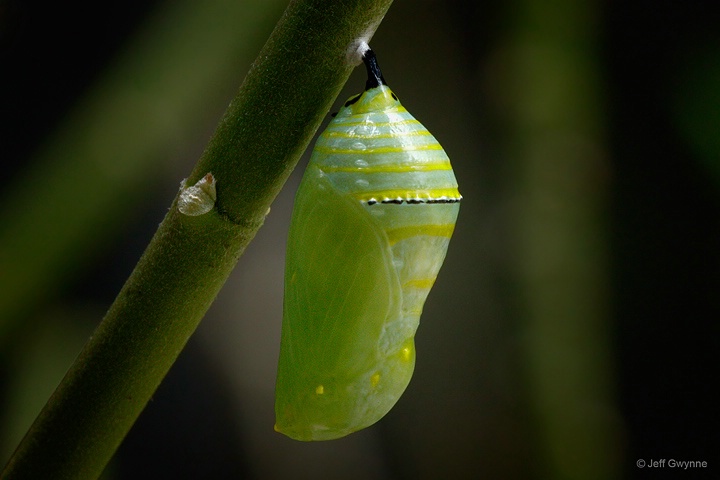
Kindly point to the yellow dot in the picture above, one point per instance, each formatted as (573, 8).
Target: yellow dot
(407, 354)
(320, 390)
(375, 379)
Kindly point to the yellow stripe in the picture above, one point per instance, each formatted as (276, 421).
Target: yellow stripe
(410, 121)
(412, 133)
(428, 167)
(364, 151)
(422, 283)
(434, 194)
(402, 233)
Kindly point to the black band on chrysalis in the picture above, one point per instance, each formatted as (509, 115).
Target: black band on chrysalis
(375, 78)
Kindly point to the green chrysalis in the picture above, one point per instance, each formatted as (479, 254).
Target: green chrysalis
(370, 228)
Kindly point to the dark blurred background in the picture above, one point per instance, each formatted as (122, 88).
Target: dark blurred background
(574, 327)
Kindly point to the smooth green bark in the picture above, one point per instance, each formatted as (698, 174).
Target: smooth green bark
(266, 128)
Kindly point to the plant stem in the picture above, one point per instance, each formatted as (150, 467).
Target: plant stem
(266, 128)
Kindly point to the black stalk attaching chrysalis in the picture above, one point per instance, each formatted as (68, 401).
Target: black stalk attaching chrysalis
(375, 78)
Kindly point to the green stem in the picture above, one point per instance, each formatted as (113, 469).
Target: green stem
(285, 96)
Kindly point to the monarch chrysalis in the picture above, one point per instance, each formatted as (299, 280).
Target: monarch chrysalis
(370, 228)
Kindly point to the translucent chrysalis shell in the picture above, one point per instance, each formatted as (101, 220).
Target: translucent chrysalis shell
(199, 198)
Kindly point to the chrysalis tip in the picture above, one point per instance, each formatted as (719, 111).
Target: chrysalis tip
(375, 77)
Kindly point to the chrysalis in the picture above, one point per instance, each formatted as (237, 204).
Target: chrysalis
(371, 225)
